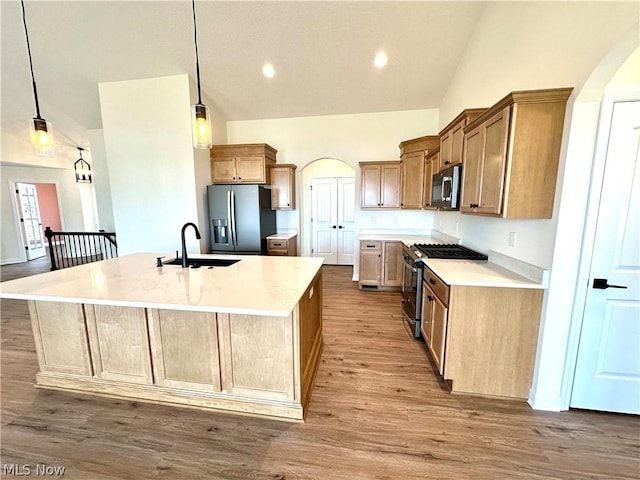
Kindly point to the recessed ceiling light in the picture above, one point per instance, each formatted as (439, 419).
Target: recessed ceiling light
(268, 70)
(380, 60)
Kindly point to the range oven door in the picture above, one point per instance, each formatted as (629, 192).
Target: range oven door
(411, 278)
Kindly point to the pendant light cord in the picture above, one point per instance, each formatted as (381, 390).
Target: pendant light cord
(195, 40)
(33, 78)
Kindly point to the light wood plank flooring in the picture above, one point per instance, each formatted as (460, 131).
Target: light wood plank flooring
(378, 411)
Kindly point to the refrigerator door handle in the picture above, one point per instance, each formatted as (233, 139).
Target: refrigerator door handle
(233, 217)
(229, 218)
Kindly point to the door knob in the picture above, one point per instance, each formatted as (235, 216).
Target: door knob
(602, 284)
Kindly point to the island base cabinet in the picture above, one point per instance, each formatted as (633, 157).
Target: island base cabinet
(252, 364)
(184, 349)
(60, 334)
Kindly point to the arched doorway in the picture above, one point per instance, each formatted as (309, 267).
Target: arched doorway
(327, 217)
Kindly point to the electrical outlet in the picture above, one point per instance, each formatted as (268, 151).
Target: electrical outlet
(512, 239)
(372, 220)
(395, 220)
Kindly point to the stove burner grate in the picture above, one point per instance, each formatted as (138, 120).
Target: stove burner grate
(451, 251)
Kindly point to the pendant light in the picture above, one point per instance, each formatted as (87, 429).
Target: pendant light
(41, 132)
(82, 169)
(200, 116)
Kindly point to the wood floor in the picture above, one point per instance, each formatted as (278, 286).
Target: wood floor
(378, 411)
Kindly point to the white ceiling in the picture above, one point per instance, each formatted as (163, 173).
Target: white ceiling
(322, 52)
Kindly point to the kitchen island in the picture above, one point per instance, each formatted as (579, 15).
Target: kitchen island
(245, 338)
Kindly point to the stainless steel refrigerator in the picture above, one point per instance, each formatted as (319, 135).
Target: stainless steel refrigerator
(240, 218)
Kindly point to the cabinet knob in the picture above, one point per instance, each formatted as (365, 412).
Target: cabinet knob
(432, 281)
(447, 162)
(430, 298)
(239, 178)
(340, 226)
(334, 226)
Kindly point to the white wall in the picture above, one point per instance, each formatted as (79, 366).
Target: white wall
(517, 46)
(101, 182)
(349, 138)
(11, 247)
(152, 171)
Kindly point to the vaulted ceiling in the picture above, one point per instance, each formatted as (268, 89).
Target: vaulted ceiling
(322, 53)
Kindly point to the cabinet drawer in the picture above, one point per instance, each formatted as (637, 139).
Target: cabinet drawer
(371, 245)
(273, 244)
(440, 288)
(278, 253)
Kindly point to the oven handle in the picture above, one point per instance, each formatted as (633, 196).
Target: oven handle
(404, 260)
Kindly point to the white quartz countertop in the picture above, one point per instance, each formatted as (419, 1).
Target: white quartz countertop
(256, 285)
(407, 239)
(478, 273)
(282, 236)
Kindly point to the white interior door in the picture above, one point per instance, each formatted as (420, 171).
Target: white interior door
(607, 373)
(333, 219)
(346, 221)
(324, 219)
(30, 222)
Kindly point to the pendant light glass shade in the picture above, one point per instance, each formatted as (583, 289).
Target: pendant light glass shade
(42, 137)
(201, 124)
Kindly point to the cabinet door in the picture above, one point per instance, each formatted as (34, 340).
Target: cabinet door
(184, 347)
(438, 332)
(392, 264)
(60, 337)
(445, 152)
(223, 170)
(412, 180)
(472, 169)
(257, 356)
(371, 175)
(370, 267)
(250, 169)
(282, 188)
(430, 165)
(457, 144)
(427, 313)
(390, 178)
(119, 343)
(496, 131)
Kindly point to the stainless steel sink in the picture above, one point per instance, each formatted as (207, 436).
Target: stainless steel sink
(203, 262)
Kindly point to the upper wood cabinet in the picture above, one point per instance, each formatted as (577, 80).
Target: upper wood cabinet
(452, 139)
(380, 184)
(511, 155)
(412, 154)
(283, 193)
(246, 163)
(431, 162)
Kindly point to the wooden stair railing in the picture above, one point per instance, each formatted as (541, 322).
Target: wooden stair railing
(68, 249)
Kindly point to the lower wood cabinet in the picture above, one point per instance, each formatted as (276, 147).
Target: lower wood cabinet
(61, 338)
(119, 343)
(254, 364)
(281, 245)
(380, 264)
(434, 325)
(257, 354)
(184, 347)
(482, 339)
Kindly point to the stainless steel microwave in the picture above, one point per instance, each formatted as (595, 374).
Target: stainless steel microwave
(445, 190)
